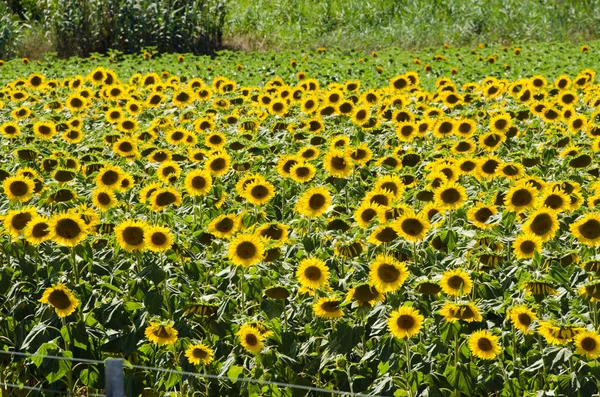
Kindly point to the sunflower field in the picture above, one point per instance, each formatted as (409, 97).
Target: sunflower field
(390, 224)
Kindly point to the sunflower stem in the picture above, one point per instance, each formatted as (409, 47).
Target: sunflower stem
(507, 379)
(206, 381)
(415, 254)
(285, 323)
(595, 314)
(74, 264)
(456, 356)
(407, 348)
(70, 385)
(543, 373)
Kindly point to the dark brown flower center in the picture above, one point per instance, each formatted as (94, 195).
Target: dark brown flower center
(59, 299)
(388, 273)
(133, 235)
(313, 273)
(405, 322)
(484, 344)
(246, 250)
(68, 228)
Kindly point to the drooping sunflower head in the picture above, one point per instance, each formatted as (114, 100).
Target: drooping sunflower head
(468, 312)
(363, 294)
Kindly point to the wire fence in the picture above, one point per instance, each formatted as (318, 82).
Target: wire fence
(167, 370)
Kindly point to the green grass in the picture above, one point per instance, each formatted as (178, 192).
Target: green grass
(407, 24)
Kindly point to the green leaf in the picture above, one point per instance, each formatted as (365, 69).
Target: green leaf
(235, 371)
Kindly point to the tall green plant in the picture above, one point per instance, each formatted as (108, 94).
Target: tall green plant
(82, 26)
(10, 32)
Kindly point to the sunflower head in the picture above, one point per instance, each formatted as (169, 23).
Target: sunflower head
(61, 299)
(161, 334)
(484, 344)
(405, 322)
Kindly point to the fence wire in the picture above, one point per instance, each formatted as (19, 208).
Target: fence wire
(172, 371)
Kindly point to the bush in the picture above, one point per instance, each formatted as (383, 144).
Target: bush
(85, 26)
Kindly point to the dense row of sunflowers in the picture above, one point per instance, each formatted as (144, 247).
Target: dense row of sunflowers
(345, 236)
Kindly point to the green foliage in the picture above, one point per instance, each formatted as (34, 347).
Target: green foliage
(376, 24)
(10, 32)
(82, 27)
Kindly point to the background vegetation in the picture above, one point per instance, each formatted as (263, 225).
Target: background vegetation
(79, 27)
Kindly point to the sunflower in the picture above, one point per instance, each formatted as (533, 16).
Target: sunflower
(542, 223)
(468, 312)
(251, 338)
(500, 123)
(405, 322)
(224, 226)
(161, 334)
(44, 129)
(314, 202)
(456, 282)
(522, 318)
(481, 214)
(526, 245)
(158, 238)
(131, 235)
(383, 234)
(18, 188)
(276, 233)
(587, 343)
(302, 172)
(15, 221)
(361, 154)
(198, 182)
(412, 227)
(109, 177)
(200, 354)
(67, 229)
(168, 171)
(391, 183)
(218, 163)
(312, 273)
(587, 229)
(10, 129)
(61, 299)
(539, 289)
(259, 192)
(520, 197)
(556, 200)
(104, 199)
(37, 230)
(364, 294)
(338, 163)
(558, 334)
(367, 212)
(328, 308)
(450, 196)
(163, 197)
(387, 274)
(484, 344)
(246, 250)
